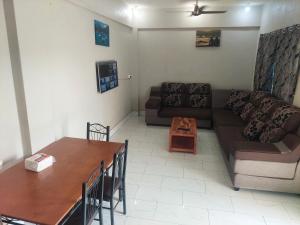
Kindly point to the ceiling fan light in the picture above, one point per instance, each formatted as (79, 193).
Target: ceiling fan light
(247, 9)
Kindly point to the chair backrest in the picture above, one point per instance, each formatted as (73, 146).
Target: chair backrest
(119, 168)
(97, 132)
(92, 195)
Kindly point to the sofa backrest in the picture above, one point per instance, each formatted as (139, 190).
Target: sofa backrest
(155, 91)
(196, 95)
(219, 97)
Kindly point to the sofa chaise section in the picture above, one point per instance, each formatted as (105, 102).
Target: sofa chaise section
(255, 164)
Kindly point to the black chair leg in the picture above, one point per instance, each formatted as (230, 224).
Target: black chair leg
(124, 199)
(112, 212)
(100, 216)
(120, 195)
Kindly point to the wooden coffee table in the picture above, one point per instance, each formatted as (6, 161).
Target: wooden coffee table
(183, 135)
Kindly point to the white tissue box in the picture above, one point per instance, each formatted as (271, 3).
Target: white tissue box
(39, 162)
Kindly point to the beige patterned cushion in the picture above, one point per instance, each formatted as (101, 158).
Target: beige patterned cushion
(256, 97)
(253, 129)
(272, 133)
(259, 115)
(247, 111)
(173, 87)
(198, 101)
(287, 117)
(237, 100)
(173, 100)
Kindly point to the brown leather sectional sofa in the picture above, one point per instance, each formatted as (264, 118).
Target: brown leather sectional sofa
(269, 161)
(179, 99)
(259, 134)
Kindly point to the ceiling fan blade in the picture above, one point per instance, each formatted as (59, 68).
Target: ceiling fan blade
(213, 12)
(201, 8)
(177, 11)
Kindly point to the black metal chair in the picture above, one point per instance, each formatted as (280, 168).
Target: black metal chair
(92, 199)
(116, 182)
(97, 132)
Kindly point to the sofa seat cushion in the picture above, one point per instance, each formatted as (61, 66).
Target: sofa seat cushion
(248, 150)
(285, 151)
(198, 113)
(223, 117)
(228, 136)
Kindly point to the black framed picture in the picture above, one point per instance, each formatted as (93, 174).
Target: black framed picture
(208, 38)
(107, 75)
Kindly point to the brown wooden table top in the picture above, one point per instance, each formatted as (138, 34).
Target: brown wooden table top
(46, 197)
(186, 123)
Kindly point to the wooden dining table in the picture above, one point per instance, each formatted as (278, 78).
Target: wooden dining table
(48, 196)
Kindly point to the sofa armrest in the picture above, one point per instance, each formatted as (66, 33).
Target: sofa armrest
(155, 91)
(257, 151)
(153, 103)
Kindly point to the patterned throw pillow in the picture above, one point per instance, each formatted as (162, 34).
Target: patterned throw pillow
(173, 87)
(253, 130)
(198, 88)
(259, 115)
(268, 104)
(198, 101)
(257, 96)
(287, 117)
(238, 106)
(173, 100)
(247, 110)
(272, 133)
(235, 98)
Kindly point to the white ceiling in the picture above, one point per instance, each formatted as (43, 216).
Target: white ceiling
(163, 4)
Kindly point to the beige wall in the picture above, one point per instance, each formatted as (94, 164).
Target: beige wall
(116, 10)
(171, 55)
(279, 14)
(58, 55)
(10, 144)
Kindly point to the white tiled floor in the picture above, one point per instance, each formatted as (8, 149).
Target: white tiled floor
(184, 189)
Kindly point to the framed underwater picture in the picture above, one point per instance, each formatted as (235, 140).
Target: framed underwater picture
(101, 33)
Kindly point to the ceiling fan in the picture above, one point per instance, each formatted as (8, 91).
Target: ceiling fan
(199, 10)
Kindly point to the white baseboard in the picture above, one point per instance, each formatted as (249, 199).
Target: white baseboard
(121, 123)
